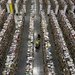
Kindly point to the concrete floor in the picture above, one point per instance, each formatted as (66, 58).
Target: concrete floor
(24, 47)
(23, 50)
(38, 56)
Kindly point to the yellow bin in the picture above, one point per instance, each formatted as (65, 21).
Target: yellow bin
(11, 8)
